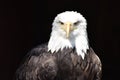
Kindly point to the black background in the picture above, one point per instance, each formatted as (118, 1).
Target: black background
(25, 24)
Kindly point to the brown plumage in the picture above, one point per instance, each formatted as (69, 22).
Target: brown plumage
(63, 65)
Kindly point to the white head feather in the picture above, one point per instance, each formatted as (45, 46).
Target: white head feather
(77, 37)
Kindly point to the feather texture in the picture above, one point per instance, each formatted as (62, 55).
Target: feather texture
(63, 58)
(65, 65)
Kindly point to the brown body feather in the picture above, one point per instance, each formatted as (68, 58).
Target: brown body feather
(62, 65)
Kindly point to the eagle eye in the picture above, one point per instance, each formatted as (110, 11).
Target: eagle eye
(76, 23)
(61, 22)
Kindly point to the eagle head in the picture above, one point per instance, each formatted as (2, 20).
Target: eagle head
(69, 31)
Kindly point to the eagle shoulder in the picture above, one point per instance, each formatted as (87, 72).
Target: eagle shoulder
(95, 64)
(38, 65)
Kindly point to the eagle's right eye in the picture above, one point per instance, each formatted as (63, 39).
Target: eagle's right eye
(61, 22)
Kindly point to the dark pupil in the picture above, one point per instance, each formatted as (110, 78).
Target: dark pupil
(61, 22)
(76, 23)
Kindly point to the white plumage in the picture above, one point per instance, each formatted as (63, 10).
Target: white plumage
(77, 36)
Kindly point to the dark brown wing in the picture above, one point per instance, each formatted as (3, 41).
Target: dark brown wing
(73, 67)
(94, 66)
(39, 65)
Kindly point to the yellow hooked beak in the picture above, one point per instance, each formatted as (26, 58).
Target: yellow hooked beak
(67, 27)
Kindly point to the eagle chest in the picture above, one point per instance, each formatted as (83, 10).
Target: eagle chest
(66, 64)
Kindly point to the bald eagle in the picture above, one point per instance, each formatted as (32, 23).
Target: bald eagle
(66, 56)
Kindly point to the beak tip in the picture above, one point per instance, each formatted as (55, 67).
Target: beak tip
(67, 36)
